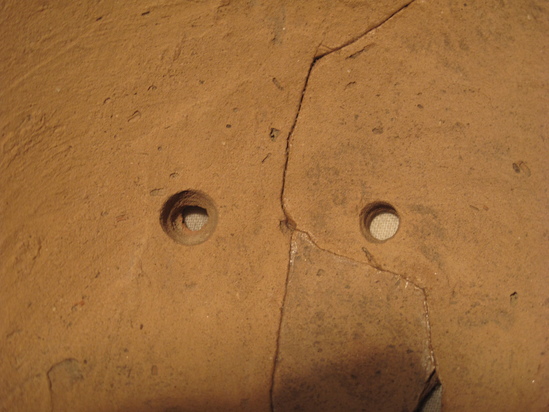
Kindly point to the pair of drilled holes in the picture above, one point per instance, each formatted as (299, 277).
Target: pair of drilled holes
(190, 218)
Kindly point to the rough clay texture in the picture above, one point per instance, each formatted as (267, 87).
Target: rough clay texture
(293, 117)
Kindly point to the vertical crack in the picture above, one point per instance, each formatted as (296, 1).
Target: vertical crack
(316, 58)
(277, 349)
(289, 222)
(289, 142)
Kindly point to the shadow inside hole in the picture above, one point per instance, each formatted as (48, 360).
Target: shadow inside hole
(379, 222)
(189, 217)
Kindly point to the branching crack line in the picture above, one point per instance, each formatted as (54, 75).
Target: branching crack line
(360, 36)
(378, 268)
(292, 224)
(430, 380)
(422, 289)
(304, 90)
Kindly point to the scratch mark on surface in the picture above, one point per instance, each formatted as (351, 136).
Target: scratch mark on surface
(60, 52)
(277, 84)
(369, 256)
(358, 53)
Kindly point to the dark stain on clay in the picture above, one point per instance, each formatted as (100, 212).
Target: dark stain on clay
(62, 377)
(288, 225)
(65, 372)
(423, 210)
(513, 298)
(277, 84)
(521, 167)
(377, 130)
(337, 312)
(273, 134)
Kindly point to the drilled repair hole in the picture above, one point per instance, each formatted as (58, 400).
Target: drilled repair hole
(189, 217)
(379, 222)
